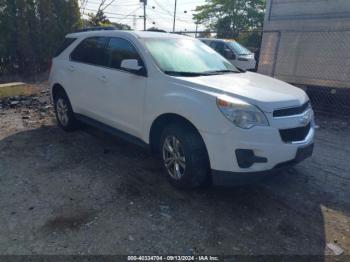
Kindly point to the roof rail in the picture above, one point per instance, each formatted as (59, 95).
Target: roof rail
(96, 28)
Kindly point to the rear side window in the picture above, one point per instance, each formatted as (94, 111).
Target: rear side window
(119, 50)
(66, 43)
(91, 51)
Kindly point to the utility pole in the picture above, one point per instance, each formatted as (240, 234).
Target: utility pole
(174, 16)
(144, 13)
(134, 22)
(196, 30)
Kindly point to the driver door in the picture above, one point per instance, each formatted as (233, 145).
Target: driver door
(122, 93)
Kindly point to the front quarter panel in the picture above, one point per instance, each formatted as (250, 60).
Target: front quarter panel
(175, 97)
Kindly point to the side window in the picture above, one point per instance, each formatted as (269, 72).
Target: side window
(212, 45)
(91, 51)
(219, 47)
(119, 50)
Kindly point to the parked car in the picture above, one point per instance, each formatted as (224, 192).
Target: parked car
(233, 51)
(177, 96)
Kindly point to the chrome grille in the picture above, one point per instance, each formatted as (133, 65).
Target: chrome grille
(291, 111)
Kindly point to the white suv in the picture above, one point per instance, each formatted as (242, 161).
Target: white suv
(177, 96)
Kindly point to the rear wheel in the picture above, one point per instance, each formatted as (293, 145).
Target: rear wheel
(64, 113)
(184, 156)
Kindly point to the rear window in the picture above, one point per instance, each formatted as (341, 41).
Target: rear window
(66, 43)
(238, 49)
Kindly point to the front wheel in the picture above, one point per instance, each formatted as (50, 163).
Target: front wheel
(184, 156)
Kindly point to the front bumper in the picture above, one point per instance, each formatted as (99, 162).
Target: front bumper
(224, 178)
(264, 142)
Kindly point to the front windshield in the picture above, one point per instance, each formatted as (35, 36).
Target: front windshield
(188, 57)
(238, 49)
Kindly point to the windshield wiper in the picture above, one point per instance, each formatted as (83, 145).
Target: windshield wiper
(189, 74)
(206, 73)
(222, 72)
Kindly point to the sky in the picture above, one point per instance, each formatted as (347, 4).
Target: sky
(159, 13)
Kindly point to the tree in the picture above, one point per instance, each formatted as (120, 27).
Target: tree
(26, 32)
(156, 29)
(229, 17)
(100, 19)
(205, 34)
(120, 26)
(8, 39)
(31, 31)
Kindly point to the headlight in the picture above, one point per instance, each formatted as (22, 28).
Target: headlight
(240, 113)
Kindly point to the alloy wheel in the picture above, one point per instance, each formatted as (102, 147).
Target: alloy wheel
(174, 157)
(62, 111)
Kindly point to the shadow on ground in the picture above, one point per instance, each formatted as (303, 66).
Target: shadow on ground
(89, 193)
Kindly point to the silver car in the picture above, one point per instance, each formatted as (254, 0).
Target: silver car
(237, 54)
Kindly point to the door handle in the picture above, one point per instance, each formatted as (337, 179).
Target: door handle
(103, 79)
(71, 68)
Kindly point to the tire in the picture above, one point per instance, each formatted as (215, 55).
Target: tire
(191, 168)
(64, 112)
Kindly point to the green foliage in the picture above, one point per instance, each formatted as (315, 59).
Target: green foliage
(31, 30)
(120, 26)
(205, 34)
(98, 19)
(252, 40)
(155, 29)
(229, 17)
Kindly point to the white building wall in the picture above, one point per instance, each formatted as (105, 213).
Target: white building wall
(307, 42)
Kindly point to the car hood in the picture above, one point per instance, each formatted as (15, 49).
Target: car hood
(265, 92)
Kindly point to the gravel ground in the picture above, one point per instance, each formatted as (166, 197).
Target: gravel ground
(91, 193)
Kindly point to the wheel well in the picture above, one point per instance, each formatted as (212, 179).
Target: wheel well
(56, 89)
(161, 122)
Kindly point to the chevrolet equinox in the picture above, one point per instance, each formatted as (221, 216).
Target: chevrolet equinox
(205, 118)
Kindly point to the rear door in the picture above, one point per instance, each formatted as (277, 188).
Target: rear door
(86, 68)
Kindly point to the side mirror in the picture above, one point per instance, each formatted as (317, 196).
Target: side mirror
(131, 65)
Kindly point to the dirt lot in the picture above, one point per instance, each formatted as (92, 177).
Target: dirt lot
(90, 193)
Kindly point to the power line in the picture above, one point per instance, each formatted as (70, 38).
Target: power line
(112, 13)
(144, 13)
(132, 12)
(170, 14)
(162, 13)
(168, 17)
(116, 5)
(83, 5)
(164, 9)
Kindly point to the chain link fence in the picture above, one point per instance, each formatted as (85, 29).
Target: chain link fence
(306, 43)
(317, 61)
